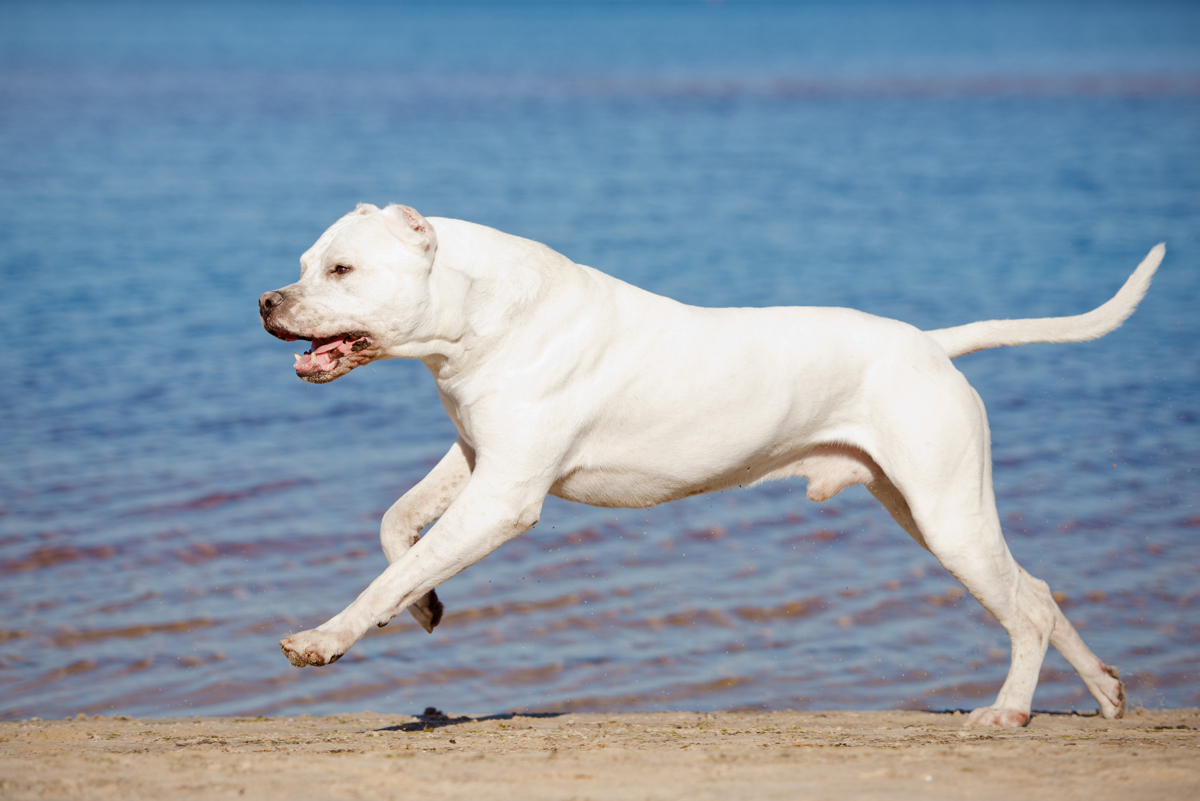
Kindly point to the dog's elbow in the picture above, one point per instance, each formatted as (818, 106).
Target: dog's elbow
(513, 519)
(526, 518)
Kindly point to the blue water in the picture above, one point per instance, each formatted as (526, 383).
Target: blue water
(173, 500)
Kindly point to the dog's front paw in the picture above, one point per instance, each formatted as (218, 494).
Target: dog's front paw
(427, 610)
(314, 647)
(997, 718)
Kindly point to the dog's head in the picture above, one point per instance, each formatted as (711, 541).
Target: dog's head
(363, 288)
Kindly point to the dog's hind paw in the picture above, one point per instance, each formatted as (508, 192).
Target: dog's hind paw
(427, 610)
(314, 647)
(997, 718)
(1112, 698)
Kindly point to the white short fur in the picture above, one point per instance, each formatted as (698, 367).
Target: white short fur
(562, 380)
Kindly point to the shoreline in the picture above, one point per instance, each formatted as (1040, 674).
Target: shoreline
(653, 755)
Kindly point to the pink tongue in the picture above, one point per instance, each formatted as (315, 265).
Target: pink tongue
(325, 357)
(340, 345)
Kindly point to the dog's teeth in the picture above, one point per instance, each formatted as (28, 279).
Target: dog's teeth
(297, 355)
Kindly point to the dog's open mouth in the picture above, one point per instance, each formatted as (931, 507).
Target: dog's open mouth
(328, 357)
(326, 354)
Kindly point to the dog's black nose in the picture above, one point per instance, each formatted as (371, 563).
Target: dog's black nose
(268, 301)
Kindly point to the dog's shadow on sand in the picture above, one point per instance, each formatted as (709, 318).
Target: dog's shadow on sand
(432, 719)
(1035, 713)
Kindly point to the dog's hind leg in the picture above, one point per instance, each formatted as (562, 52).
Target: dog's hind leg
(968, 543)
(1103, 681)
(1000, 585)
(948, 506)
(416, 509)
(938, 486)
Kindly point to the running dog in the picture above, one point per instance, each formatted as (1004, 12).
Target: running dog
(562, 380)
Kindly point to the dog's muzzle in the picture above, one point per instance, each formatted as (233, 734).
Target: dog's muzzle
(330, 356)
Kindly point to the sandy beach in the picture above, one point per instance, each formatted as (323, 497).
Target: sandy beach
(751, 755)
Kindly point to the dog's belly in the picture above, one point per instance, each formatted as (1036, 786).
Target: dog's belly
(625, 489)
(829, 468)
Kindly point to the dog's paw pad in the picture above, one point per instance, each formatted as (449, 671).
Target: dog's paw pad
(427, 610)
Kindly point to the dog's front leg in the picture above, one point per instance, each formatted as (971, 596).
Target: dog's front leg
(420, 506)
(485, 515)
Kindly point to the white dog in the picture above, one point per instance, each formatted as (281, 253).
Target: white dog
(563, 380)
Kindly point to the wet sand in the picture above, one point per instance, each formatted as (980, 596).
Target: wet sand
(725, 755)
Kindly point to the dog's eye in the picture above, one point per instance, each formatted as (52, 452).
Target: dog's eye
(342, 269)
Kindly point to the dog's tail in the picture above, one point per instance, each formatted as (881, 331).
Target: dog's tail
(964, 339)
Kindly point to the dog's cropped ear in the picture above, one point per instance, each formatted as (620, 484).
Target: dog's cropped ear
(407, 225)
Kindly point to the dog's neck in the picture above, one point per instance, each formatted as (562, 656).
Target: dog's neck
(482, 285)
